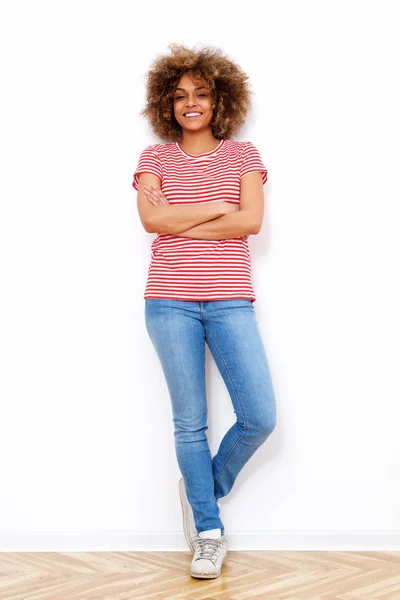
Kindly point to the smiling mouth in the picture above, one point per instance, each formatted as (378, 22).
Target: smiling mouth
(192, 115)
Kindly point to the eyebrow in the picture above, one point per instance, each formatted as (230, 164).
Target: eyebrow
(198, 88)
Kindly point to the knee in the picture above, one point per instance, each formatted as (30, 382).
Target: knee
(265, 425)
(190, 431)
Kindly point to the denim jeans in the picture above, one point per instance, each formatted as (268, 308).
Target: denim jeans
(178, 330)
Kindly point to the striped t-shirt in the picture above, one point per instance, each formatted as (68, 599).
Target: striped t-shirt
(195, 269)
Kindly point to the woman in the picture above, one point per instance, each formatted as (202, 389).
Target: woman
(202, 193)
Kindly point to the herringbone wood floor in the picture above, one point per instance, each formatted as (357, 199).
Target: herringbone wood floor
(294, 575)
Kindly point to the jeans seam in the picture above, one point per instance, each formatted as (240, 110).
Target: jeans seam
(240, 404)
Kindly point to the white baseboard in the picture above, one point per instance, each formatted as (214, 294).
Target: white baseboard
(165, 541)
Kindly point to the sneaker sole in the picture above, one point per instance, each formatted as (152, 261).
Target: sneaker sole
(205, 576)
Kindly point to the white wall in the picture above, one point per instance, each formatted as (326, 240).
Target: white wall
(87, 457)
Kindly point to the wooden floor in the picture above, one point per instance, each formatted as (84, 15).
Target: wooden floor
(295, 575)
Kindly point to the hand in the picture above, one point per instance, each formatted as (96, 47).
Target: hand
(244, 237)
(155, 196)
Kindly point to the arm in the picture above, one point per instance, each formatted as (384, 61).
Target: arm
(235, 224)
(247, 220)
(167, 218)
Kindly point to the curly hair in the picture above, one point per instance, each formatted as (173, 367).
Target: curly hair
(227, 82)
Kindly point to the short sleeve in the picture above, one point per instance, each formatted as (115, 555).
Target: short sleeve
(252, 162)
(149, 162)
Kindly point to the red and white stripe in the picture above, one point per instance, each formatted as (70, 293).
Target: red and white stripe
(196, 269)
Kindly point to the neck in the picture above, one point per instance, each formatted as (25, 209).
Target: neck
(198, 142)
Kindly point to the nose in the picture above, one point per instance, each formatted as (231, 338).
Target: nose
(191, 100)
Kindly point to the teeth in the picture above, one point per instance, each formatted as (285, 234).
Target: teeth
(192, 114)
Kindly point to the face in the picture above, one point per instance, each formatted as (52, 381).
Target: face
(193, 97)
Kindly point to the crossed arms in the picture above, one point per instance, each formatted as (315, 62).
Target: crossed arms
(209, 220)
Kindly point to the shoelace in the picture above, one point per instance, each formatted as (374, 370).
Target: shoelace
(209, 547)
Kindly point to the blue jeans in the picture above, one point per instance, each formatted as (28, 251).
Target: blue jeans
(178, 330)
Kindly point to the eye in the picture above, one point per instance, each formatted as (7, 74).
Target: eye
(179, 97)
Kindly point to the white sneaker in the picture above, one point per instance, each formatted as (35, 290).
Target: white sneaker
(189, 526)
(209, 555)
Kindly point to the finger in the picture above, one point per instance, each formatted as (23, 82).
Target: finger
(154, 193)
(160, 197)
(151, 196)
(157, 193)
(156, 202)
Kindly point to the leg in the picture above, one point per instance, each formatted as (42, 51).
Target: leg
(233, 337)
(177, 333)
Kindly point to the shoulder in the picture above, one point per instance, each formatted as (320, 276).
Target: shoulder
(247, 145)
(240, 148)
(239, 144)
(235, 144)
(159, 151)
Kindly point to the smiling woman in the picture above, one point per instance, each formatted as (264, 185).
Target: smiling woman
(201, 192)
(194, 111)
(226, 86)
